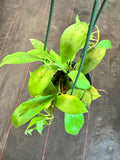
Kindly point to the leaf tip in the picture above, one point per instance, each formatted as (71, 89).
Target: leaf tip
(77, 18)
(105, 44)
(26, 133)
(31, 39)
(30, 73)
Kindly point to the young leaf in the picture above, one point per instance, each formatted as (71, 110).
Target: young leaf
(19, 58)
(77, 92)
(39, 126)
(40, 123)
(73, 123)
(70, 104)
(27, 110)
(72, 40)
(55, 57)
(40, 78)
(37, 44)
(34, 121)
(29, 131)
(93, 57)
(105, 43)
(82, 82)
(86, 99)
(94, 93)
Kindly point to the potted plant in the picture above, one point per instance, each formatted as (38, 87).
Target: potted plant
(50, 85)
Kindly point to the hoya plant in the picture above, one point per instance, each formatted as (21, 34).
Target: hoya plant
(50, 85)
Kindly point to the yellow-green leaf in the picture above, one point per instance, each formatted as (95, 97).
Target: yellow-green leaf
(77, 92)
(86, 99)
(27, 110)
(93, 57)
(40, 78)
(70, 104)
(72, 40)
(38, 44)
(94, 93)
(49, 90)
(19, 58)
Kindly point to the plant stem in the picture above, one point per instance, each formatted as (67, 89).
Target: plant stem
(84, 51)
(49, 22)
(59, 86)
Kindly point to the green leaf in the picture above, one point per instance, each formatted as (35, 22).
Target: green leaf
(94, 93)
(27, 110)
(49, 90)
(73, 123)
(77, 92)
(39, 126)
(72, 40)
(40, 78)
(70, 104)
(19, 58)
(37, 44)
(82, 82)
(86, 99)
(54, 57)
(93, 57)
(105, 43)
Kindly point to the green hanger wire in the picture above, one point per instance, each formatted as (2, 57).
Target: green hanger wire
(99, 12)
(49, 22)
(91, 27)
